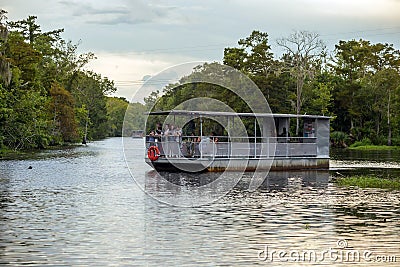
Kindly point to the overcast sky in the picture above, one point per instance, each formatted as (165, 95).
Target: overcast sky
(136, 38)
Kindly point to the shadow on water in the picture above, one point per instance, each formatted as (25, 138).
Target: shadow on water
(272, 180)
(170, 187)
(365, 155)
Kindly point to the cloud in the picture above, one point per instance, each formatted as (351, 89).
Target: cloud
(198, 30)
(120, 12)
(130, 70)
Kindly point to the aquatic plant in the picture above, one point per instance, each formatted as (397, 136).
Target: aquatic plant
(374, 147)
(364, 181)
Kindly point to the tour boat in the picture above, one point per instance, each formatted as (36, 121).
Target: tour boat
(270, 147)
(137, 134)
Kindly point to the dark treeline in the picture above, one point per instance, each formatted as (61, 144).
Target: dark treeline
(358, 84)
(46, 96)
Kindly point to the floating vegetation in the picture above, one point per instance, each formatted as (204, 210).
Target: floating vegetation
(364, 181)
(374, 147)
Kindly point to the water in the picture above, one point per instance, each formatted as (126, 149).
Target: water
(380, 163)
(82, 207)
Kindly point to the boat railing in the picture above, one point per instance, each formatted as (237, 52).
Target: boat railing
(233, 147)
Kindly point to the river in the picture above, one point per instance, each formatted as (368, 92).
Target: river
(81, 206)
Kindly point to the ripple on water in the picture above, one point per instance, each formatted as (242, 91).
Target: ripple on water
(81, 207)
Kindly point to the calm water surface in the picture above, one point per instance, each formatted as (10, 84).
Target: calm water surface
(82, 207)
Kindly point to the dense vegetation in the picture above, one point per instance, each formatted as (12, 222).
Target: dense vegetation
(358, 84)
(46, 95)
(48, 98)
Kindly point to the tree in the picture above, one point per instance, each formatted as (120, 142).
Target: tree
(30, 30)
(116, 108)
(46, 98)
(254, 58)
(385, 83)
(5, 70)
(351, 63)
(89, 90)
(135, 119)
(318, 98)
(62, 107)
(361, 92)
(259, 57)
(235, 57)
(304, 53)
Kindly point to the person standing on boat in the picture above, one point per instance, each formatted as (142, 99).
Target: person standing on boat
(158, 134)
(191, 145)
(197, 147)
(151, 139)
(165, 141)
(213, 137)
(169, 134)
(173, 140)
(178, 142)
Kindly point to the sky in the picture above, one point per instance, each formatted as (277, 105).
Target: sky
(135, 39)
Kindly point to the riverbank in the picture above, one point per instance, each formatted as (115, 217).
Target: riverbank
(374, 147)
(9, 154)
(6, 153)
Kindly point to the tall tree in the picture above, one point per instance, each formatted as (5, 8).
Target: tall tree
(384, 85)
(361, 91)
(254, 58)
(259, 58)
(5, 70)
(63, 113)
(31, 30)
(304, 53)
(90, 90)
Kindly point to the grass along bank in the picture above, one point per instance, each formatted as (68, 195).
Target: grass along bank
(374, 147)
(364, 181)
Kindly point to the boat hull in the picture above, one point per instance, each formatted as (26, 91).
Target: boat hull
(237, 164)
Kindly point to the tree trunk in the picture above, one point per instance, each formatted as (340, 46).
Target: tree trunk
(389, 141)
(86, 129)
(300, 82)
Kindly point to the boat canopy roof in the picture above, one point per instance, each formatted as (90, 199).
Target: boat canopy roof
(233, 114)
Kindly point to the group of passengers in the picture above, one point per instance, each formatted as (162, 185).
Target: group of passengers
(169, 133)
(169, 141)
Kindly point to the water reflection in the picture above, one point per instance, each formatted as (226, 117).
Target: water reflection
(272, 180)
(366, 155)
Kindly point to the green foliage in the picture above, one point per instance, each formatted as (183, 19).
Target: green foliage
(116, 108)
(339, 139)
(373, 147)
(364, 142)
(24, 125)
(370, 182)
(359, 86)
(62, 110)
(366, 94)
(46, 97)
(89, 90)
(135, 119)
